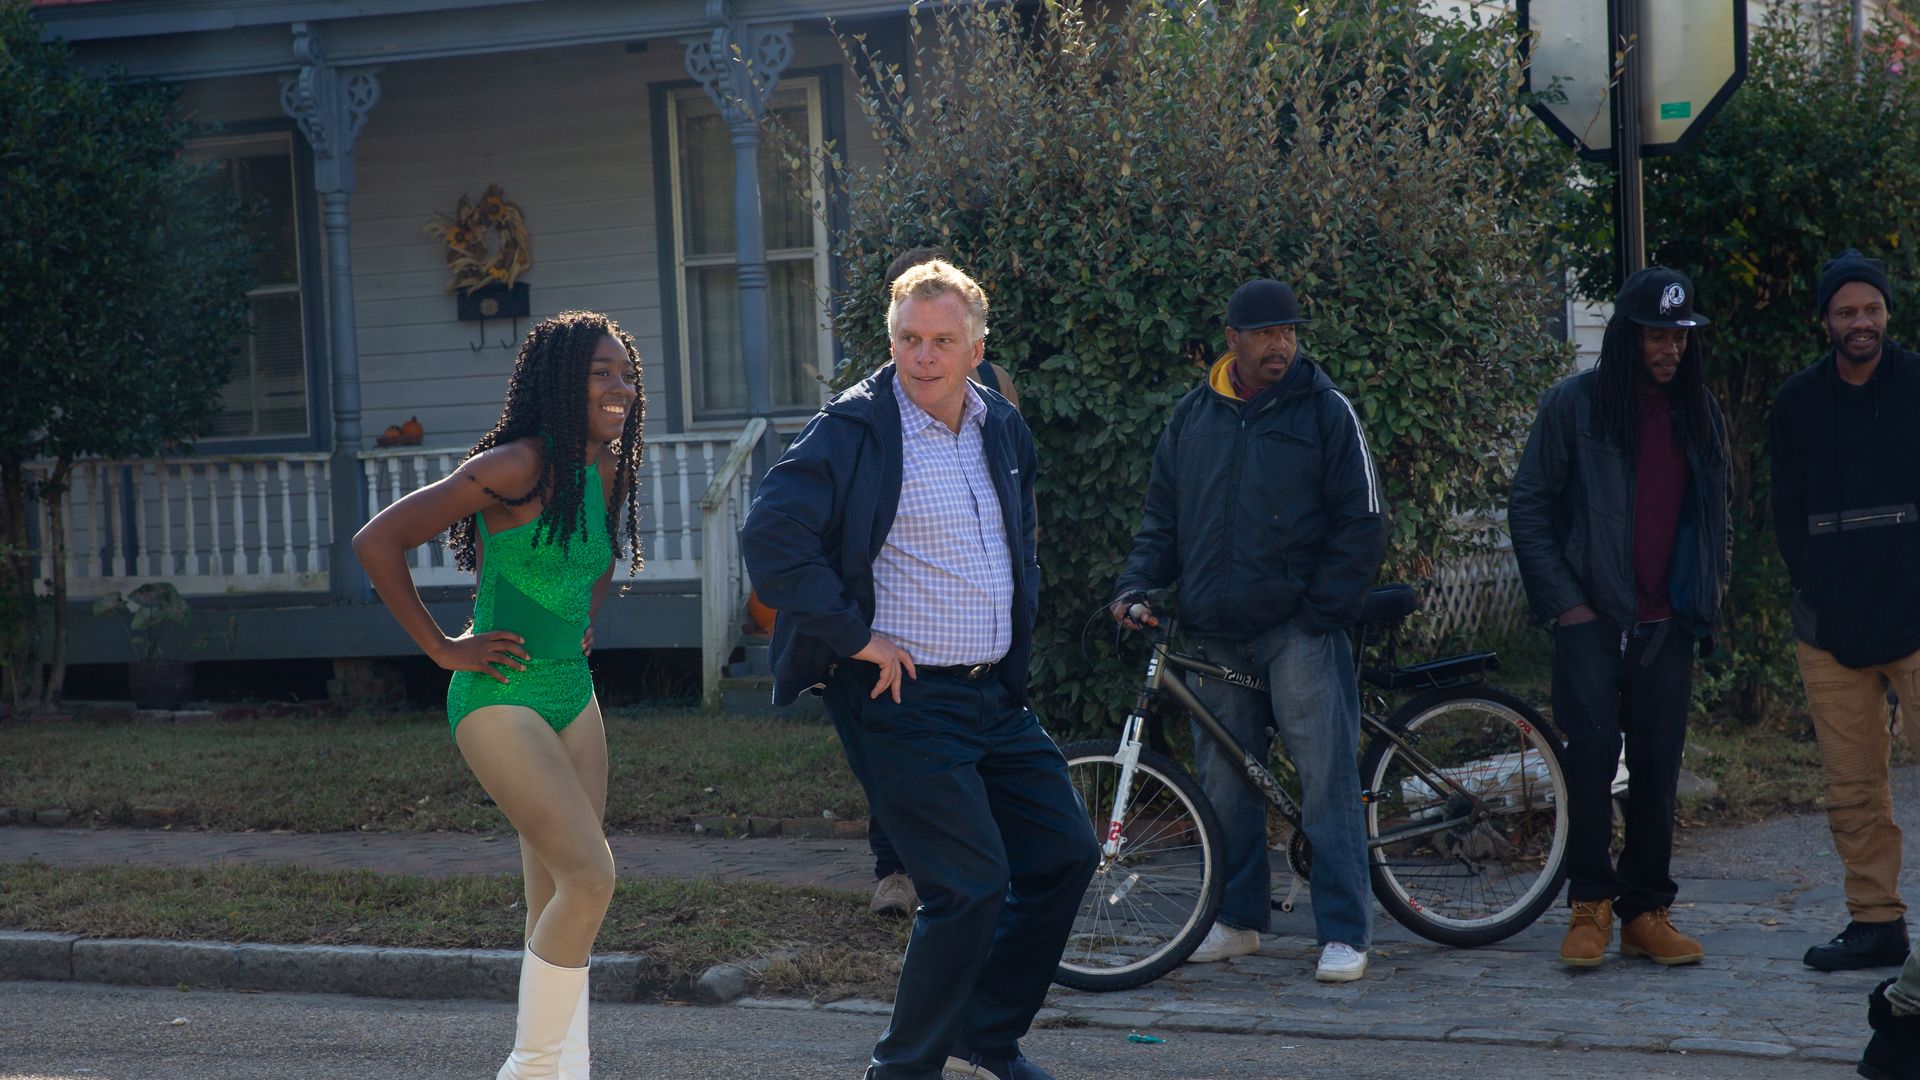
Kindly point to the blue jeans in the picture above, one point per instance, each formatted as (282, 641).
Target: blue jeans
(1313, 703)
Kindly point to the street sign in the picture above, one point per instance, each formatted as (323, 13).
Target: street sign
(1692, 54)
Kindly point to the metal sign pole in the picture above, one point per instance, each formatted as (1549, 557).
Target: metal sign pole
(1629, 219)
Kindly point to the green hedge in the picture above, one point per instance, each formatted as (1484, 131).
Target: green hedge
(1110, 178)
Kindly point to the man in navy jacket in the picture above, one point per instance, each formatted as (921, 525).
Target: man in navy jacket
(1264, 504)
(896, 540)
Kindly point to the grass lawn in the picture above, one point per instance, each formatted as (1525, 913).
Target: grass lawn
(399, 773)
(839, 949)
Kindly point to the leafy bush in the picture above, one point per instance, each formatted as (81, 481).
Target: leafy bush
(126, 285)
(1111, 175)
(1812, 154)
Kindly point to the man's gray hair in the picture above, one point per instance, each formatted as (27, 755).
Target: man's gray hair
(940, 278)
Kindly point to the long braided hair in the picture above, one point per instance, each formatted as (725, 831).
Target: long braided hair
(1622, 377)
(547, 398)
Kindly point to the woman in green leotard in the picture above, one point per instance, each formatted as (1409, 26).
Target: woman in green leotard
(536, 510)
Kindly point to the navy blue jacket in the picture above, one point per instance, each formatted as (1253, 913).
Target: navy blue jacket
(824, 510)
(1265, 511)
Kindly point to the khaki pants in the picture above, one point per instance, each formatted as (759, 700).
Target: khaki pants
(1849, 708)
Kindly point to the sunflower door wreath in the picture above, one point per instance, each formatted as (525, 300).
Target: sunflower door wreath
(487, 249)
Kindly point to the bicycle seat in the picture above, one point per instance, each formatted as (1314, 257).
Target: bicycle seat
(1389, 603)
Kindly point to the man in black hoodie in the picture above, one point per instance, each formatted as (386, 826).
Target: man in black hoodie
(1846, 513)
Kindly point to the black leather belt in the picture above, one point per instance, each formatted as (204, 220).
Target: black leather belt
(969, 672)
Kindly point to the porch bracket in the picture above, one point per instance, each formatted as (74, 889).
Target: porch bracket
(739, 65)
(330, 105)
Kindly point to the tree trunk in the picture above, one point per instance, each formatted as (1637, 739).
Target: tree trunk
(54, 491)
(22, 653)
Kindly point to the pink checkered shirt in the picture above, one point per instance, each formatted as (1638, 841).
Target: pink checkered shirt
(943, 581)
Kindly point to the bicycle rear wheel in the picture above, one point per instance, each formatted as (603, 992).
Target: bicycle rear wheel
(1467, 824)
(1148, 907)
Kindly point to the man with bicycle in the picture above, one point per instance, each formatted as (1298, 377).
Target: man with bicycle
(1264, 504)
(1621, 525)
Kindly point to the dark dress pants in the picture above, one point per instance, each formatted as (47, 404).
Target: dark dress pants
(1601, 694)
(975, 798)
(886, 861)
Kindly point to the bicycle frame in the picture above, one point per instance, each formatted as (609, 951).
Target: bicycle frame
(1252, 768)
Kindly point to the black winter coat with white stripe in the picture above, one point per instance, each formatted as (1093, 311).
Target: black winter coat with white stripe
(1264, 511)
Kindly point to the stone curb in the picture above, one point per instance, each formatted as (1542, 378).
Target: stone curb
(371, 971)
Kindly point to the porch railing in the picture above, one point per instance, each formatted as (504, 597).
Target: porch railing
(723, 572)
(258, 523)
(253, 523)
(676, 470)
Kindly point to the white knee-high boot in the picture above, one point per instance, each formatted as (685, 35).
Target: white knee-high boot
(573, 1051)
(548, 997)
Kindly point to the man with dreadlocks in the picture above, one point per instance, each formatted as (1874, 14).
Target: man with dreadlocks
(896, 539)
(536, 509)
(1621, 525)
(1846, 484)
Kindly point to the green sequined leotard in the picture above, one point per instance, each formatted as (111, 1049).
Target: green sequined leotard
(545, 597)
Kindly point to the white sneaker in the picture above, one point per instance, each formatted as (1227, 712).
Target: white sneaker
(1340, 962)
(1223, 941)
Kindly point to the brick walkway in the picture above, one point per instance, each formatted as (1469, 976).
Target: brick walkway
(839, 864)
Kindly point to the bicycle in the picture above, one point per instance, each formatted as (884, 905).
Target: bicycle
(1463, 789)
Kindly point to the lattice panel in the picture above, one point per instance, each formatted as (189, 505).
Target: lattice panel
(1474, 597)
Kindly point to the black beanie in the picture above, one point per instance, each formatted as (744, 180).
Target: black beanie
(1848, 266)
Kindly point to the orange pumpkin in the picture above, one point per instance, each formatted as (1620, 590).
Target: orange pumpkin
(411, 432)
(759, 615)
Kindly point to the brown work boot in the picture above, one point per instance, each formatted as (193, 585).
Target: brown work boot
(1589, 935)
(1651, 934)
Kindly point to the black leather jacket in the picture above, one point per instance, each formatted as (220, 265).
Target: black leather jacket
(1571, 516)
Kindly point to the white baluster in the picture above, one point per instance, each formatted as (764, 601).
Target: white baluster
(237, 491)
(260, 504)
(313, 516)
(165, 478)
(688, 508)
(191, 566)
(137, 544)
(76, 479)
(115, 549)
(393, 486)
(442, 556)
(372, 470)
(286, 520)
(656, 497)
(216, 556)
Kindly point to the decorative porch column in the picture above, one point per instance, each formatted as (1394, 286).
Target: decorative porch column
(331, 107)
(739, 65)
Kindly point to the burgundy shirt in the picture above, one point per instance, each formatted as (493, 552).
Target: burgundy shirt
(1660, 486)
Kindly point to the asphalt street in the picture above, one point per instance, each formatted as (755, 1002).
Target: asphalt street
(119, 1033)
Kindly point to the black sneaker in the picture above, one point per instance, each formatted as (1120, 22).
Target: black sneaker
(964, 1062)
(1862, 945)
(1894, 1051)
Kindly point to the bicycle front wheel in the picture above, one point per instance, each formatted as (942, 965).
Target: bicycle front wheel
(1150, 904)
(1466, 815)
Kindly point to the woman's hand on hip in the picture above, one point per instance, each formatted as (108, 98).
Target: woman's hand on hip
(480, 652)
